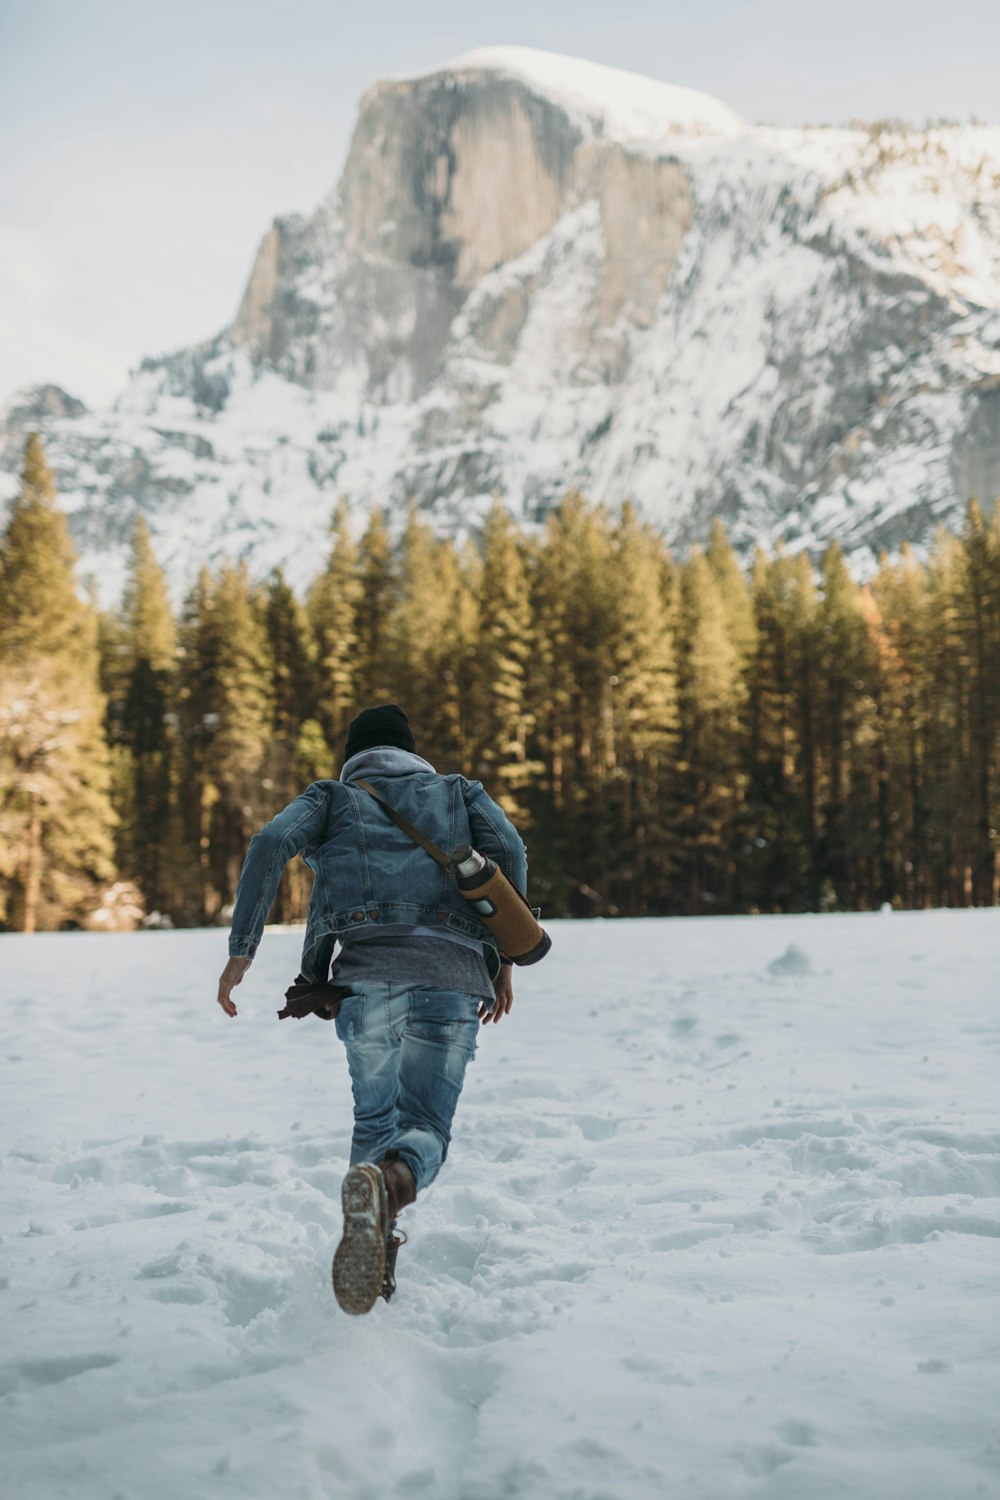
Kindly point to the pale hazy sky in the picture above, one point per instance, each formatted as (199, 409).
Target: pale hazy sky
(145, 145)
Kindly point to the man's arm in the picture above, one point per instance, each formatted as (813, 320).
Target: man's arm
(297, 826)
(494, 834)
(231, 976)
(503, 991)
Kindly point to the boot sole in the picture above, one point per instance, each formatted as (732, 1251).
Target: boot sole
(359, 1264)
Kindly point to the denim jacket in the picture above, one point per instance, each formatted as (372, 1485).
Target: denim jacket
(367, 870)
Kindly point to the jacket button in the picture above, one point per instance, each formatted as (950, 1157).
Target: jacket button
(373, 915)
(442, 916)
(358, 916)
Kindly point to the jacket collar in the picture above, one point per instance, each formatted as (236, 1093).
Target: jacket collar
(384, 760)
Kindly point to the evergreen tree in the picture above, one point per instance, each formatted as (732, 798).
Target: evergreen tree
(711, 699)
(376, 669)
(740, 627)
(297, 753)
(780, 839)
(425, 639)
(500, 721)
(907, 711)
(332, 608)
(951, 833)
(226, 705)
(139, 690)
(980, 610)
(56, 820)
(734, 592)
(293, 659)
(843, 663)
(641, 731)
(195, 710)
(572, 590)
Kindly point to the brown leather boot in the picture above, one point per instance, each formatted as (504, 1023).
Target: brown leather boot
(400, 1184)
(400, 1190)
(359, 1264)
(396, 1238)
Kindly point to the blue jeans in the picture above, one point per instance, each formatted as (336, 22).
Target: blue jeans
(407, 1050)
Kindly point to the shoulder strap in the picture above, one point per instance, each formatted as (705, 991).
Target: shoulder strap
(434, 850)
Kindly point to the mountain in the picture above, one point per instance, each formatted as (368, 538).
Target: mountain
(537, 274)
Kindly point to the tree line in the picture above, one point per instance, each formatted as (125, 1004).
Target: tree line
(672, 736)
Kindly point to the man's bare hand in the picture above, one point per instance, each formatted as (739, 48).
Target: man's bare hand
(503, 989)
(231, 976)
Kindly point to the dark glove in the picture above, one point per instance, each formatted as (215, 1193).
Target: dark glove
(308, 999)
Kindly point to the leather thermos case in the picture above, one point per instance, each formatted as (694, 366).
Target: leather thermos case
(500, 907)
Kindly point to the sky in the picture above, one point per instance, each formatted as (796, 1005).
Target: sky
(146, 147)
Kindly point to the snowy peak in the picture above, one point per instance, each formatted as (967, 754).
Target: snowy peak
(619, 105)
(537, 274)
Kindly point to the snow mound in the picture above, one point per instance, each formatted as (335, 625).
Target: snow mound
(792, 961)
(624, 106)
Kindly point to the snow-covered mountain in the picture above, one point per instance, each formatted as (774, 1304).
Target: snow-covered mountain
(537, 274)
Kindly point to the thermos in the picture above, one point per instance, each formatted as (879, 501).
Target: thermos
(499, 906)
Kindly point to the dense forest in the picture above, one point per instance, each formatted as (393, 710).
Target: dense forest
(671, 736)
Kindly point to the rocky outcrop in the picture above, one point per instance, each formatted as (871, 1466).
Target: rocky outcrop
(39, 406)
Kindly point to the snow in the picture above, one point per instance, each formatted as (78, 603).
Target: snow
(720, 1219)
(623, 106)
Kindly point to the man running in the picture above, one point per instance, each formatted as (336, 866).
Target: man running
(415, 974)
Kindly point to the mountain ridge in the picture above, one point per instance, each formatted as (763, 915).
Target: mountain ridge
(522, 286)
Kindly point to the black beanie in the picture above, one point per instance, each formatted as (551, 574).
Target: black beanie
(385, 725)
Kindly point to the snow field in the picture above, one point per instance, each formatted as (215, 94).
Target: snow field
(720, 1219)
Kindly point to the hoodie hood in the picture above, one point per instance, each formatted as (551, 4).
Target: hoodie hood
(384, 760)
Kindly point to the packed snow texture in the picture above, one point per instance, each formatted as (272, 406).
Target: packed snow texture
(720, 1220)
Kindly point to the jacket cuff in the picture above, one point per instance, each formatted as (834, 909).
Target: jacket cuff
(241, 946)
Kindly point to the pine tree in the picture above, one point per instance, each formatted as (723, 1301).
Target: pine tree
(907, 713)
(376, 669)
(195, 714)
(226, 706)
(845, 707)
(980, 605)
(500, 721)
(428, 632)
(950, 811)
(780, 839)
(56, 821)
(297, 753)
(332, 608)
(293, 658)
(573, 590)
(140, 659)
(734, 592)
(641, 731)
(738, 611)
(711, 698)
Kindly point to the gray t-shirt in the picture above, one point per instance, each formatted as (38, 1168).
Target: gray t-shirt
(425, 962)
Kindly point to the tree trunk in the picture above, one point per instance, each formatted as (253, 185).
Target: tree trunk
(32, 867)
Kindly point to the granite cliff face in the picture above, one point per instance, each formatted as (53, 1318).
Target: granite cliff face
(537, 274)
(449, 179)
